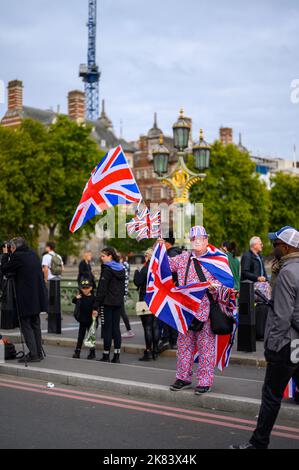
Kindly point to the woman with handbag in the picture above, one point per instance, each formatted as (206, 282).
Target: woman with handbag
(203, 263)
(149, 321)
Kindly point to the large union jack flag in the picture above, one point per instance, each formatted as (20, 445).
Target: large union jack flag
(173, 305)
(112, 182)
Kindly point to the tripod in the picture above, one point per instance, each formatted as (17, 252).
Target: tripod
(19, 320)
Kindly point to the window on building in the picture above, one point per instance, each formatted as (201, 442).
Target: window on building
(164, 193)
(149, 194)
(156, 194)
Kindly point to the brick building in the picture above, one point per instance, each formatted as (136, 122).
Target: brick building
(102, 129)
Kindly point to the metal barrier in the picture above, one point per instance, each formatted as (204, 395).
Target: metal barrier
(247, 328)
(69, 289)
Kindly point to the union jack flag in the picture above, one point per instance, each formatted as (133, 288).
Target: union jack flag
(112, 182)
(145, 224)
(217, 264)
(290, 389)
(173, 305)
(223, 349)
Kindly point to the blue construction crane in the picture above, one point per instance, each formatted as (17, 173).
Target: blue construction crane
(90, 72)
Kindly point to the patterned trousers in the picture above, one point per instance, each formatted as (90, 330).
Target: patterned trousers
(187, 345)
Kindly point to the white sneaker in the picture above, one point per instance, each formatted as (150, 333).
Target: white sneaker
(128, 334)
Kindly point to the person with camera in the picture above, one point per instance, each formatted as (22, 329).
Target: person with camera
(23, 264)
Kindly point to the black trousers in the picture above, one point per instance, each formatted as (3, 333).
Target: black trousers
(111, 327)
(278, 373)
(81, 333)
(30, 327)
(151, 331)
(169, 334)
(125, 318)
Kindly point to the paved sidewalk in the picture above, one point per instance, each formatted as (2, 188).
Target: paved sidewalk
(238, 388)
(134, 345)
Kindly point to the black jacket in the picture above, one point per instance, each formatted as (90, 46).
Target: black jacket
(111, 287)
(85, 308)
(25, 265)
(140, 278)
(85, 272)
(251, 268)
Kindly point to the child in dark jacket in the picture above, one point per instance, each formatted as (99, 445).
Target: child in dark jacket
(84, 304)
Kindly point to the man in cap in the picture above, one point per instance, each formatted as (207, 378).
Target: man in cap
(281, 336)
(200, 338)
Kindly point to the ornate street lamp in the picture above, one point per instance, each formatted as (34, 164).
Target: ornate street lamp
(201, 153)
(181, 131)
(181, 179)
(160, 158)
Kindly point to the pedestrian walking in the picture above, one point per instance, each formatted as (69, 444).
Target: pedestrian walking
(24, 265)
(52, 263)
(110, 295)
(200, 337)
(281, 336)
(84, 311)
(129, 333)
(148, 320)
(253, 269)
(85, 269)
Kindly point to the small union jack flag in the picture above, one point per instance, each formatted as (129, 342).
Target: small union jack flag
(290, 389)
(173, 305)
(112, 182)
(145, 224)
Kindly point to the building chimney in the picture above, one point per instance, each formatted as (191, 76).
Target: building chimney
(15, 95)
(76, 105)
(226, 135)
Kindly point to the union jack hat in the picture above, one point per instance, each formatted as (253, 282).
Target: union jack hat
(198, 232)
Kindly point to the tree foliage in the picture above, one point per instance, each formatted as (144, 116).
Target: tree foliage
(44, 171)
(236, 202)
(284, 198)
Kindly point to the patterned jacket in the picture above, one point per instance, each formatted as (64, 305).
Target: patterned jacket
(178, 264)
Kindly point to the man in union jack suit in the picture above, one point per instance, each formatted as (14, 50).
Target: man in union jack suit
(214, 265)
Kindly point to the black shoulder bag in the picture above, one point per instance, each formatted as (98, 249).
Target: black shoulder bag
(195, 325)
(221, 324)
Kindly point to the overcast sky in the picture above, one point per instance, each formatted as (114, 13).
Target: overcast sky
(227, 63)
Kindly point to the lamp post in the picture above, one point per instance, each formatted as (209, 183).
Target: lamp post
(31, 228)
(181, 179)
